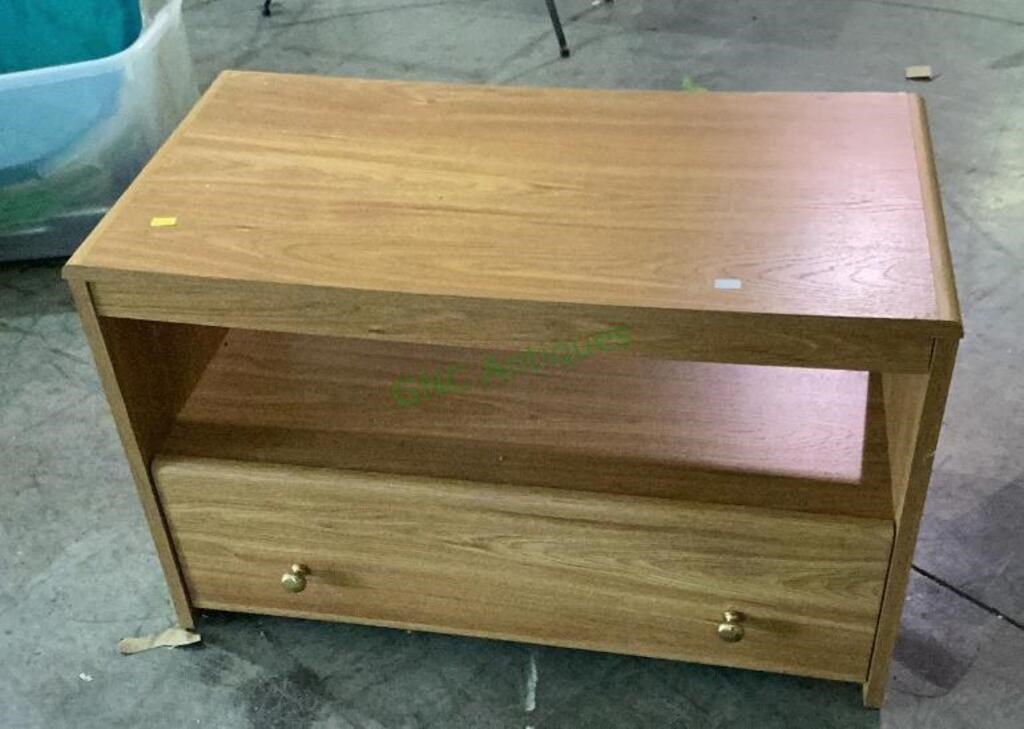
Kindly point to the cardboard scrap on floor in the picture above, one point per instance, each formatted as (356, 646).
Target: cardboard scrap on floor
(170, 638)
(919, 73)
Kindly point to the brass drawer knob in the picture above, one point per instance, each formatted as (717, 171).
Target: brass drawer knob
(731, 628)
(294, 580)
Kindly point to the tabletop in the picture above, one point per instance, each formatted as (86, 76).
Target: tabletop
(820, 205)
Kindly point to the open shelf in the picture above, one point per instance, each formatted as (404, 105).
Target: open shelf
(801, 439)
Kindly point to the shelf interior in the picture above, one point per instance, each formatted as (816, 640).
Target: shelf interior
(792, 438)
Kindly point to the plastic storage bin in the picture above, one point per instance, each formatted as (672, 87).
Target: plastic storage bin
(73, 136)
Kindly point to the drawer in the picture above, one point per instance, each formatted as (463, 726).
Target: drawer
(608, 572)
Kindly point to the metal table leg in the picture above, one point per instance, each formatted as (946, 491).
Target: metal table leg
(563, 47)
(556, 23)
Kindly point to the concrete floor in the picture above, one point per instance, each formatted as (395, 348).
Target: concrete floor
(79, 572)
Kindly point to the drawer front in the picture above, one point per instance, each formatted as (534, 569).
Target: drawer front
(588, 570)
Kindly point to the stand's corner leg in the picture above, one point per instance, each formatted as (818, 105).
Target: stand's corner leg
(873, 693)
(914, 406)
(266, 8)
(187, 617)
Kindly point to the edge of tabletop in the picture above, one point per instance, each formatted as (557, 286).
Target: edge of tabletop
(155, 282)
(947, 303)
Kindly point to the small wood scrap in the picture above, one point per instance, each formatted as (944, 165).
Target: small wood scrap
(919, 73)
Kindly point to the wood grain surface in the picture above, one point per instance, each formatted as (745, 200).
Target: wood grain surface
(157, 365)
(810, 440)
(597, 198)
(586, 570)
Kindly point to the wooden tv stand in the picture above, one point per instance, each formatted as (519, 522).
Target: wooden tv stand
(652, 373)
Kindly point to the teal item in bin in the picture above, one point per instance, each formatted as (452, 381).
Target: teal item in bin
(40, 123)
(41, 33)
(74, 134)
(44, 121)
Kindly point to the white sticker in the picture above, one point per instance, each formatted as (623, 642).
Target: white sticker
(728, 283)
